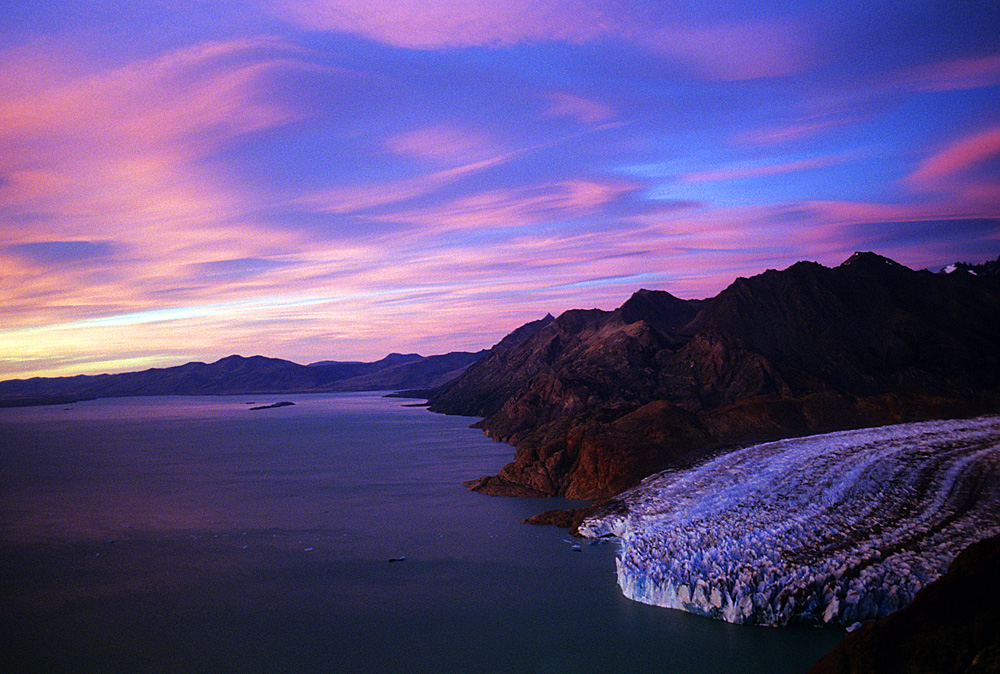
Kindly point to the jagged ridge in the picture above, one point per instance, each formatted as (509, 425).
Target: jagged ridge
(595, 400)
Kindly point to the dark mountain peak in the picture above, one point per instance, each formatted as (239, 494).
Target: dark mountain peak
(642, 296)
(576, 320)
(237, 363)
(804, 268)
(774, 281)
(395, 358)
(659, 309)
(871, 261)
(806, 349)
(523, 333)
(807, 300)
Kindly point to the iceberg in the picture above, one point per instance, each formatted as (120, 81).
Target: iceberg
(840, 528)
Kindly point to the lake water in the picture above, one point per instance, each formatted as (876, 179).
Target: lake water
(190, 534)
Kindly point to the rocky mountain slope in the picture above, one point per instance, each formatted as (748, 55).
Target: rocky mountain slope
(595, 400)
(239, 375)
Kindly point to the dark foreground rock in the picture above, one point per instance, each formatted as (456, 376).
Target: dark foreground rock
(951, 627)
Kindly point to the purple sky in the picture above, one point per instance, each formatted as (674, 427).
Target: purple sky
(311, 180)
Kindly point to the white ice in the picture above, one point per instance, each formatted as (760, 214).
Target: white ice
(838, 528)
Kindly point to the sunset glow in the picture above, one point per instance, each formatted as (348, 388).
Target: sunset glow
(323, 179)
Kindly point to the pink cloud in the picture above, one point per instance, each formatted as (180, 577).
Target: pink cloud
(105, 143)
(915, 234)
(738, 51)
(47, 60)
(562, 104)
(957, 159)
(430, 24)
(804, 127)
(116, 155)
(966, 73)
(514, 207)
(355, 199)
(201, 86)
(838, 213)
(735, 51)
(760, 170)
(444, 144)
(781, 134)
(831, 112)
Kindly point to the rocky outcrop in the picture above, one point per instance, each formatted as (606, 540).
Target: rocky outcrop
(595, 400)
(951, 627)
(567, 519)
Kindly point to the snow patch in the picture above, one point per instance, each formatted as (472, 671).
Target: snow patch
(839, 528)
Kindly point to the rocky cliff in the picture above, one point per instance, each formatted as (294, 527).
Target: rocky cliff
(595, 400)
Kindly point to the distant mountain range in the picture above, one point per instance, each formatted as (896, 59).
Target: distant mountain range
(595, 400)
(239, 375)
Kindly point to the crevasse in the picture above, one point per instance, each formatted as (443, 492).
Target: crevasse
(838, 528)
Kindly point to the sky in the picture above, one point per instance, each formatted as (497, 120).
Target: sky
(324, 179)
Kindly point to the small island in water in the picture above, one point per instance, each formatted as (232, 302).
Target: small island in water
(283, 403)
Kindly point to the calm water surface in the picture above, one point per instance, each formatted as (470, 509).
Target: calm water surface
(189, 534)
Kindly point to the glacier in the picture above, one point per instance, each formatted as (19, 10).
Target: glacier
(841, 528)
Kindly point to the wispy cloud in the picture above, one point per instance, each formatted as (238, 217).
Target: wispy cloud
(358, 198)
(804, 127)
(738, 51)
(117, 155)
(429, 24)
(387, 197)
(952, 75)
(757, 169)
(721, 50)
(562, 104)
(119, 145)
(957, 159)
(51, 253)
(514, 207)
(445, 143)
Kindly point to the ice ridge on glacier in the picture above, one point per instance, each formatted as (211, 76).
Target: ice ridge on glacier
(837, 528)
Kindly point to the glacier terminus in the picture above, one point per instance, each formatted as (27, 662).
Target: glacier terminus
(840, 528)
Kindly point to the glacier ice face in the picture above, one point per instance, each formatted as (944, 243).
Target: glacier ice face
(838, 528)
